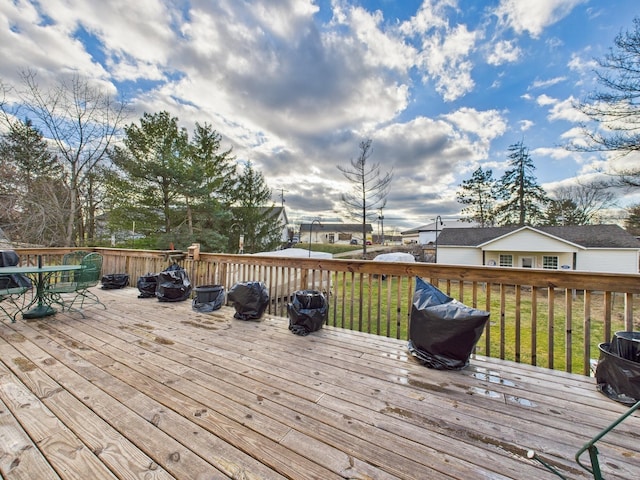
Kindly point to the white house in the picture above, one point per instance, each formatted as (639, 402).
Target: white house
(426, 234)
(593, 248)
(333, 232)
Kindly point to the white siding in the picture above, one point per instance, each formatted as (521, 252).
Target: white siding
(607, 260)
(529, 241)
(460, 255)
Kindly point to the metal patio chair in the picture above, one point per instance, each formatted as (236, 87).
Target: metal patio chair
(73, 293)
(15, 295)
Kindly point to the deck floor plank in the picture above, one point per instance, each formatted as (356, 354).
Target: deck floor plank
(147, 389)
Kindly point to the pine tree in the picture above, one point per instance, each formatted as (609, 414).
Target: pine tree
(252, 215)
(479, 196)
(523, 200)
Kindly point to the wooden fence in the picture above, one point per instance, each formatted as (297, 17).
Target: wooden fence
(551, 318)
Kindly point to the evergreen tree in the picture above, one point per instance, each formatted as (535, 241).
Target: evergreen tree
(478, 194)
(167, 183)
(522, 198)
(252, 215)
(33, 197)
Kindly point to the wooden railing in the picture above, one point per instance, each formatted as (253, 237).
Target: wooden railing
(551, 318)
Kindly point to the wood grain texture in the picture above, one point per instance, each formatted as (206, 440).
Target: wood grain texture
(148, 389)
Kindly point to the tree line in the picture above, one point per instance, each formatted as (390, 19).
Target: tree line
(93, 177)
(516, 198)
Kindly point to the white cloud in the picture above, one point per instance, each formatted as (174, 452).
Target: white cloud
(533, 16)
(526, 125)
(487, 125)
(545, 100)
(505, 51)
(548, 83)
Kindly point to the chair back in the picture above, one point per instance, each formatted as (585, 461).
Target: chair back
(74, 258)
(90, 274)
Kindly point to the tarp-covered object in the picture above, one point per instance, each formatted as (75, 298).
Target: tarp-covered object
(147, 285)
(443, 332)
(9, 258)
(114, 280)
(208, 298)
(618, 378)
(173, 285)
(250, 299)
(307, 312)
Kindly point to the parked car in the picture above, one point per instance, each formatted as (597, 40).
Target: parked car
(354, 241)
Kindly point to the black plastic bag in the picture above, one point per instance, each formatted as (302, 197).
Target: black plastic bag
(147, 285)
(208, 298)
(250, 299)
(114, 280)
(173, 285)
(307, 312)
(443, 332)
(617, 377)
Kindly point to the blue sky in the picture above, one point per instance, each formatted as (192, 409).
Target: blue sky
(440, 86)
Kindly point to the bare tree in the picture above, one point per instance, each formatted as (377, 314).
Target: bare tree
(369, 189)
(587, 201)
(614, 110)
(81, 121)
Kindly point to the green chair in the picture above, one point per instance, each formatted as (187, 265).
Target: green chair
(77, 288)
(15, 295)
(72, 258)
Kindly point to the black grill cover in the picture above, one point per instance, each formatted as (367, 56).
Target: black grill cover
(173, 285)
(147, 285)
(114, 280)
(250, 299)
(443, 332)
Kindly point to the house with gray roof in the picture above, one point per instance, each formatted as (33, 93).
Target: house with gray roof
(333, 232)
(592, 248)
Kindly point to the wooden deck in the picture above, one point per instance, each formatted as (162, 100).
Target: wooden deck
(150, 390)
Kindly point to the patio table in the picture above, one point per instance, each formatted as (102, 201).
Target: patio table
(40, 304)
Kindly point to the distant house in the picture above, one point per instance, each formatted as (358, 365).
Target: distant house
(426, 234)
(593, 248)
(333, 232)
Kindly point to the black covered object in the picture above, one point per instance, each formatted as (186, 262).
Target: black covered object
(443, 332)
(114, 280)
(208, 298)
(616, 377)
(173, 285)
(308, 311)
(250, 299)
(147, 285)
(9, 258)
(626, 345)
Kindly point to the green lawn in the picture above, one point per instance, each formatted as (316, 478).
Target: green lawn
(386, 310)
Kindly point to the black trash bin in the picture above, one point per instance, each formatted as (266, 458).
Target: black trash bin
(626, 345)
(250, 299)
(307, 312)
(617, 377)
(443, 332)
(147, 285)
(208, 298)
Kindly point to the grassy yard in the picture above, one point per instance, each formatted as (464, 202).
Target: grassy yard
(386, 307)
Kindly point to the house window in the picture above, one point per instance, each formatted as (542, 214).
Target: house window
(332, 238)
(506, 260)
(550, 262)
